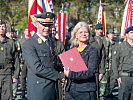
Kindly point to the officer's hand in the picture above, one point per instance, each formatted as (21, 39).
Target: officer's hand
(63, 81)
(61, 76)
(119, 81)
(15, 80)
(66, 72)
(100, 77)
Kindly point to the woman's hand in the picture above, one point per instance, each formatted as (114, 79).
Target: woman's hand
(66, 72)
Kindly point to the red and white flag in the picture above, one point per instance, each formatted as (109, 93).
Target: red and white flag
(102, 18)
(62, 26)
(37, 7)
(127, 17)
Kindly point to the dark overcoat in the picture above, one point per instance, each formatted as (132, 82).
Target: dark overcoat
(85, 80)
(42, 76)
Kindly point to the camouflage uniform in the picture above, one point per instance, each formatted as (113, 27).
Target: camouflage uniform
(105, 82)
(8, 67)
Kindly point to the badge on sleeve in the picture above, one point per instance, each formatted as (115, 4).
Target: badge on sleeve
(39, 41)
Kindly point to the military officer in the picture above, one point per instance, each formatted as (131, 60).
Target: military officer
(39, 52)
(8, 64)
(122, 65)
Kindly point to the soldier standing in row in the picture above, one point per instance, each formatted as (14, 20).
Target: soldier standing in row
(96, 41)
(23, 65)
(122, 65)
(19, 49)
(11, 34)
(8, 64)
(109, 45)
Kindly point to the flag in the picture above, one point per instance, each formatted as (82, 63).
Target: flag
(37, 7)
(102, 17)
(62, 26)
(127, 17)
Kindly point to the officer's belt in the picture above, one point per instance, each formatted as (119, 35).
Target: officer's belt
(126, 74)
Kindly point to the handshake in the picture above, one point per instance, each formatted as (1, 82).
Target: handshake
(61, 77)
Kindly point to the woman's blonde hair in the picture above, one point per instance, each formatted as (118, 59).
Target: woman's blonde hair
(73, 39)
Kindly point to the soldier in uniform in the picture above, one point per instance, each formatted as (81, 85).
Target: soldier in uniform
(23, 66)
(8, 64)
(122, 65)
(12, 35)
(109, 44)
(19, 49)
(97, 42)
(59, 49)
(39, 52)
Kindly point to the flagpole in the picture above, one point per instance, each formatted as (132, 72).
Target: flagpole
(63, 7)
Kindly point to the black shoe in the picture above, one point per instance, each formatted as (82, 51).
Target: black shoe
(110, 96)
(23, 94)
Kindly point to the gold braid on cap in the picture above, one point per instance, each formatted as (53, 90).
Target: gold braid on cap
(43, 21)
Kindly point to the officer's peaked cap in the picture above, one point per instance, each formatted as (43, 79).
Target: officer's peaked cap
(45, 18)
(129, 29)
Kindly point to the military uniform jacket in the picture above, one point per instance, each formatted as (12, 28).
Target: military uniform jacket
(97, 42)
(122, 59)
(8, 57)
(41, 73)
(85, 80)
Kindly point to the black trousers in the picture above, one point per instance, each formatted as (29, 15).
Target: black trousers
(75, 95)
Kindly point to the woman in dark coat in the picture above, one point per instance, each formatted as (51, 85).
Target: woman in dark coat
(82, 85)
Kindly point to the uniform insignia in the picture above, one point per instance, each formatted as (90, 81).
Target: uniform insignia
(39, 41)
(47, 14)
(2, 48)
(114, 52)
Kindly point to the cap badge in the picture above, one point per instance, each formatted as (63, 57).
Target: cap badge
(48, 14)
(39, 41)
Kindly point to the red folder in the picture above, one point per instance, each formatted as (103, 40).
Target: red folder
(73, 60)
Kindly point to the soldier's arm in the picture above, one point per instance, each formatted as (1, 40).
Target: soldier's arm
(103, 60)
(34, 64)
(115, 62)
(16, 62)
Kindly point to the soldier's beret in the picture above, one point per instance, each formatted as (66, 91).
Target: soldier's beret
(99, 26)
(43, 18)
(129, 29)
